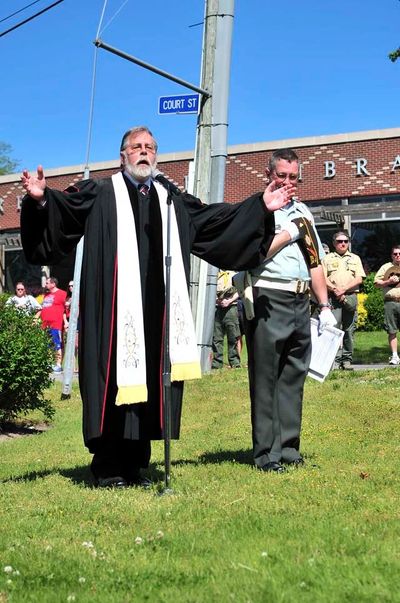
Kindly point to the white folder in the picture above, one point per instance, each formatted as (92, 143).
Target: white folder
(324, 349)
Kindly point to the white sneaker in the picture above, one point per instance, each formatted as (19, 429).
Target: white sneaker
(395, 360)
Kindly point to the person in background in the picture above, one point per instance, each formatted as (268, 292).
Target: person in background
(278, 332)
(122, 291)
(67, 312)
(344, 274)
(388, 279)
(52, 317)
(22, 301)
(226, 322)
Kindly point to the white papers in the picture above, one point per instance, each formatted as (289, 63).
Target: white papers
(324, 349)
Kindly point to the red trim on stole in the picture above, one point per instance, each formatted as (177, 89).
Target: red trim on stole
(110, 346)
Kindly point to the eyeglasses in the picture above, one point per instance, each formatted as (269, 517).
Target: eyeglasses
(138, 148)
(283, 176)
(70, 285)
(340, 241)
(20, 289)
(396, 253)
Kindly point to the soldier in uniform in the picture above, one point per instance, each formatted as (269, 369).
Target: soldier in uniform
(344, 274)
(226, 322)
(388, 279)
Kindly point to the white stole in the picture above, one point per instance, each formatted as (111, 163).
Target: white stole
(131, 351)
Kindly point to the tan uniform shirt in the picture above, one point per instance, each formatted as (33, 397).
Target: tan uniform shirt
(390, 293)
(341, 269)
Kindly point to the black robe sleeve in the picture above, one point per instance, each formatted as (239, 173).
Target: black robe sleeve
(51, 232)
(234, 236)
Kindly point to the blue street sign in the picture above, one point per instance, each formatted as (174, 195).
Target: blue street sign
(184, 103)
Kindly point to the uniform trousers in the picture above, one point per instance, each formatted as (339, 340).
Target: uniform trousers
(226, 322)
(346, 318)
(279, 352)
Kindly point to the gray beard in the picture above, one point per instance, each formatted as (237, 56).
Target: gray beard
(139, 172)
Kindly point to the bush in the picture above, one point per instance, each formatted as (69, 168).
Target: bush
(368, 285)
(375, 311)
(26, 357)
(362, 314)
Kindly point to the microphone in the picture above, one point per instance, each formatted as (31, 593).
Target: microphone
(171, 188)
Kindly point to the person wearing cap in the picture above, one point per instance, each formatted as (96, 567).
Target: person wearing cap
(344, 274)
(388, 279)
(124, 220)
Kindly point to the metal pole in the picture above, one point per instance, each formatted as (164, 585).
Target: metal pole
(100, 44)
(202, 165)
(166, 376)
(218, 59)
(69, 355)
(220, 102)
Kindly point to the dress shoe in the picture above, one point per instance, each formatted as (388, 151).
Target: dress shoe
(141, 482)
(135, 478)
(273, 466)
(296, 462)
(111, 482)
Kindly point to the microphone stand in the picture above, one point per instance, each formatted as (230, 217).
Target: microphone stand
(166, 372)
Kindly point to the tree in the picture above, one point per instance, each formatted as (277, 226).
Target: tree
(7, 165)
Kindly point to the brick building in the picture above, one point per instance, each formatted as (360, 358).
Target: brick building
(353, 179)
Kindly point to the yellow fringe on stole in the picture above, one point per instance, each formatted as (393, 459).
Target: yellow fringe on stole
(182, 371)
(131, 394)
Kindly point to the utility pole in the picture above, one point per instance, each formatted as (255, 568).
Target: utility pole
(210, 156)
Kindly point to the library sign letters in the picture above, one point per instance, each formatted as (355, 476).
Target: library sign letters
(361, 167)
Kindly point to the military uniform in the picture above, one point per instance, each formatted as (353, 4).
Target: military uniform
(341, 271)
(279, 347)
(391, 297)
(226, 322)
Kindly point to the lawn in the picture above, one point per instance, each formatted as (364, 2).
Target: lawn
(327, 532)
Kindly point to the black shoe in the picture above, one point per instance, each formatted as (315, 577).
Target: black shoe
(141, 482)
(111, 482)
(273, 466)
(296, 463)
(134, 478)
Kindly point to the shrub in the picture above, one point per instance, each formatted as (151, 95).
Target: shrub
(368, 285)
(375, 311)
(362, 314)
(26, 357)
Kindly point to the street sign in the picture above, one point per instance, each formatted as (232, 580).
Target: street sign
(184, 103)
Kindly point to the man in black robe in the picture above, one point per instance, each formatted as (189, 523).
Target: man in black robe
(52, 222)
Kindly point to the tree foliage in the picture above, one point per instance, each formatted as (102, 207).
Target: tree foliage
(7, 165)
(393, 56)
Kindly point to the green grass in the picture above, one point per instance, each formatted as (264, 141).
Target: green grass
(327, 532)
(371, 347)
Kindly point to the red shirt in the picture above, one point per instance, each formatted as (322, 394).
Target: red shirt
(53, 309)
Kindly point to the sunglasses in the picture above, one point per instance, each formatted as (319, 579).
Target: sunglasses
(342, 241)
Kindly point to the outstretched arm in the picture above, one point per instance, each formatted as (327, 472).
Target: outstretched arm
(34, 184)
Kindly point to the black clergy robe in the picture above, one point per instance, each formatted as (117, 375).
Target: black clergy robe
(228, 236)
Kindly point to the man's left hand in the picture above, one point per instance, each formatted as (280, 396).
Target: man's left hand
(326, 319)
(275, 198)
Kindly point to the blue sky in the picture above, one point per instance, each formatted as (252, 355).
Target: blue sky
(298, 69)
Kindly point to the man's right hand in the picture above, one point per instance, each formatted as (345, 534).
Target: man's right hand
(35, 184)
